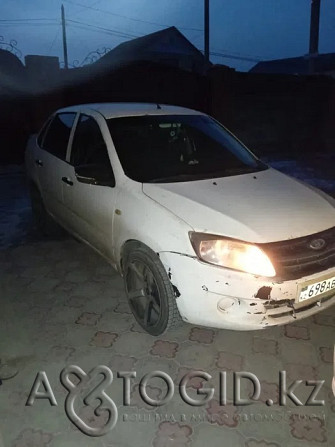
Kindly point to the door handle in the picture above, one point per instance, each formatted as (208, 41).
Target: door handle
(67, 181)
(39, 163)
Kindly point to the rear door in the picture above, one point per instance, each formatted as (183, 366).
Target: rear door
(50, 157)
(90, 208)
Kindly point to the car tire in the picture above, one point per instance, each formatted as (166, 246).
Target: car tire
(42, 219)
(150, 294)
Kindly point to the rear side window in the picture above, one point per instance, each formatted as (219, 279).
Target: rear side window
(57, 136)
(42, 133)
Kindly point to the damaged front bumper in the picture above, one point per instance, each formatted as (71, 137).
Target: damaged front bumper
(212, 296)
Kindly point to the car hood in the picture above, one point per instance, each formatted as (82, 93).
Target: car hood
(261, 207)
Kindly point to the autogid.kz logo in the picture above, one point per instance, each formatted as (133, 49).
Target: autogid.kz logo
(87, 391)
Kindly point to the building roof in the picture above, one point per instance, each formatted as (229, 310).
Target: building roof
(297, 65)
(122, 109)
(168, 40)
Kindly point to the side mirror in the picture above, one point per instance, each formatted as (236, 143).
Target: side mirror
(95, 174)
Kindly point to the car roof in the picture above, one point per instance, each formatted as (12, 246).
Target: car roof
(122, 109)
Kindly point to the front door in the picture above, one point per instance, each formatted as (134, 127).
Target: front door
(90, 208)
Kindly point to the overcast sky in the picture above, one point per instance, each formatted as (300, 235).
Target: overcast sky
(260, 29)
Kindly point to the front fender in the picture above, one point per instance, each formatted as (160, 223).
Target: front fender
(139, 218)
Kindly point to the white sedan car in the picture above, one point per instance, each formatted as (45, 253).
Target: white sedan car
(199, 228)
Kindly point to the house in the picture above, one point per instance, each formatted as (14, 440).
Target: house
(322, 64)
(168, 46)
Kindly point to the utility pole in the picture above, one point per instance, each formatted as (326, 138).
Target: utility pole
(314, 34)
(66, 61)
(206, 6)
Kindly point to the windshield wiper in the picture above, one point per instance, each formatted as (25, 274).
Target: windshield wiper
(245, 169)
(209, 175)
(241, 170)
(175, 178)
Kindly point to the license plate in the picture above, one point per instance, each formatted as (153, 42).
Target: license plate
(317, 288)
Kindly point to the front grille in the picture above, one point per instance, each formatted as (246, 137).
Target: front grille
(295, 258)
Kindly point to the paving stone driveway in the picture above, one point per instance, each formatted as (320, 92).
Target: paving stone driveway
(63, 305)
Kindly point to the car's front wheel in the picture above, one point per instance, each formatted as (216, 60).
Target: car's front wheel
(150, 292)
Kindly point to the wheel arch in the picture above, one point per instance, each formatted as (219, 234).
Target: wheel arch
(127, 247)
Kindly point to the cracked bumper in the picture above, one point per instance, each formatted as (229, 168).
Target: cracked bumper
(217, 297)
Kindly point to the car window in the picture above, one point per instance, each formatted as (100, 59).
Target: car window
(88, 145)
(58, 133)
(41, 135)
(178, 148)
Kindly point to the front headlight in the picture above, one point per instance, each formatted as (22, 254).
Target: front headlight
(232, 254)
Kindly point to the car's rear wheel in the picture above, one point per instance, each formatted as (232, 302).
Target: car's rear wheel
(150, 293)
(43, 221)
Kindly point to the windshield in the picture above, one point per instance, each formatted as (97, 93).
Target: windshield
(172, 148)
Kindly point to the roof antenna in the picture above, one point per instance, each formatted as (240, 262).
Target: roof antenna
(158, 107)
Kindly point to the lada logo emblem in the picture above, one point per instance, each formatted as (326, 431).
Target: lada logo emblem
(317, 244)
